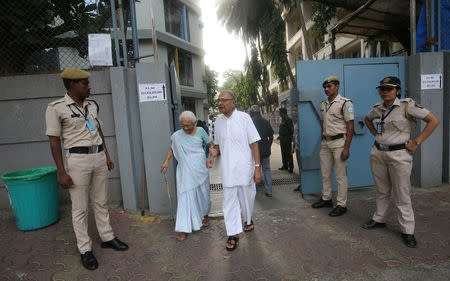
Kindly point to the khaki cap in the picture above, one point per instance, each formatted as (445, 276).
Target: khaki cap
(330, 79)
(74, 74)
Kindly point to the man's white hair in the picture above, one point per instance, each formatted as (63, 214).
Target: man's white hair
(188, 115)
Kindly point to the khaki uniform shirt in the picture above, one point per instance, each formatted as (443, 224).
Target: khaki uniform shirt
(396, 128)
(334, 116)
(65, 119)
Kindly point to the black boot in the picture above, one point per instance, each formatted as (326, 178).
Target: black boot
(323, 203)
(89, 261)
(338, 211)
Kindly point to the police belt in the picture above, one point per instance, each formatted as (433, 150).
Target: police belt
(86, 149)
(384, 147)
(330, 138)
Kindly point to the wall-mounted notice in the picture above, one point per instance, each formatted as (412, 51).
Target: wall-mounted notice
(100, 49)
(431, 81)
(152, 92)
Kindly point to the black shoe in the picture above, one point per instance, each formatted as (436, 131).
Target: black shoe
(409, 240)
(291, 171)
(282, 168)
(298, 189)
(373, 224)
(89, 261)
(323, 203)
(268, 194)
(338, 211)
(115, 244)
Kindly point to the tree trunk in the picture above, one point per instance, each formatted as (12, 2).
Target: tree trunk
(264, 66)
(291, 75)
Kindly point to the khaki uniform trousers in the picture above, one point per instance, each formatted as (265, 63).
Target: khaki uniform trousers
(330, 155)
(391, 172)
(89, 173)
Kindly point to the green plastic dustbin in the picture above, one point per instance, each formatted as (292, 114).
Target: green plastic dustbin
(34, 196)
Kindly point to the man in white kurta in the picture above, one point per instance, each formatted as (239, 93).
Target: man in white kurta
(237, 139)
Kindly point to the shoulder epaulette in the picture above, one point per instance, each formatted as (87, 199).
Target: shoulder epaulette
(96, 104)
(56, 102)
(377, 104)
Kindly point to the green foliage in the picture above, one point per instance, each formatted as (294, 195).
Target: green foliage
(322, 14)
(34, 26)
(212, 86)
(274, 44)
(243, 86)
(259, 21)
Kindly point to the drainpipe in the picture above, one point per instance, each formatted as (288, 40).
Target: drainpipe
(123, 28)
(134, 30)
(114, 22)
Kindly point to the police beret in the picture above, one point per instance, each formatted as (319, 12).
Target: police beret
(330, 79)
(390, 82)
(74, 74)
(283, 110)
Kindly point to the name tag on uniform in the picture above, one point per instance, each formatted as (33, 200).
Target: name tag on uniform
(90, 125)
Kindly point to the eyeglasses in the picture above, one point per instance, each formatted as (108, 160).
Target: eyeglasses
(187, 126)
(223, 100)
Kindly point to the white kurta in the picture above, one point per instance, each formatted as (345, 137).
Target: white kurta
(234, 136)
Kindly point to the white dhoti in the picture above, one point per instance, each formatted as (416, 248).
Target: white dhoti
(235, 199)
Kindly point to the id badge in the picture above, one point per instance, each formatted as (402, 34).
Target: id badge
(90, 125)
(380, 127)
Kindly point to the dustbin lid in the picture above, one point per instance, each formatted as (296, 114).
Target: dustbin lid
(29, 174)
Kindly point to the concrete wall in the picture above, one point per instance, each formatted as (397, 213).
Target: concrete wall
(23, 143)
(428, 159)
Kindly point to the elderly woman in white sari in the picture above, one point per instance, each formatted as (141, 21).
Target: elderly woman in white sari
(192, 175)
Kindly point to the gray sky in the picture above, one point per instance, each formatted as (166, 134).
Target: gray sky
(223, 50)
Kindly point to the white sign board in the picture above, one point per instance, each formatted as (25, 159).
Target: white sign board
(152, 92)
(100, 49)
(431, 81)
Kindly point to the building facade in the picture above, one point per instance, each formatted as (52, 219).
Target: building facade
(345, 47)
(179, 33)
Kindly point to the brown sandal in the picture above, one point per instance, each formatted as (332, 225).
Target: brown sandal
(249, 227)
(181, 237)
(233, 245)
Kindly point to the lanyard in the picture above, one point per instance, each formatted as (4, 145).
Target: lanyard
(384, 116)
(85, 114)
(328, 108)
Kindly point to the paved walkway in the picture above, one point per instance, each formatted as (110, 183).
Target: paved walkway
(291, 241)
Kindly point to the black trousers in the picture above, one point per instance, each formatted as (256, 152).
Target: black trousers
(286, 152)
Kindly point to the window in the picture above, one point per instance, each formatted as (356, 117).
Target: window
(176, 17)
(188, 104)
(184, 66)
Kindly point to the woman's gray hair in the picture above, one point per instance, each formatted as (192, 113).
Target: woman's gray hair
(189, 115)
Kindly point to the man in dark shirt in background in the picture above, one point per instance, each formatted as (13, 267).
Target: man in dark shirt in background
(286, 132)
(265, 131)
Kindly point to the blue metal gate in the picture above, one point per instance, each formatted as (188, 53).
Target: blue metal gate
(358, 77)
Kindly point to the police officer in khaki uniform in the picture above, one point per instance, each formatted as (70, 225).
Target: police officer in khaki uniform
(74, 118)
(336, 115)
(391, 156)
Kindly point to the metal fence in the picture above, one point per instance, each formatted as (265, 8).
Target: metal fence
(51, 35)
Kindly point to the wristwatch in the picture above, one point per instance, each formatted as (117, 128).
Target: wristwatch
(257, 165)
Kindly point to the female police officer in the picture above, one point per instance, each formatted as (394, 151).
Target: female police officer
(391, 156)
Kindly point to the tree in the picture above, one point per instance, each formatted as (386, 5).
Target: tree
(243, 86)
(212, 86)
(249, 18)
(33, 27)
